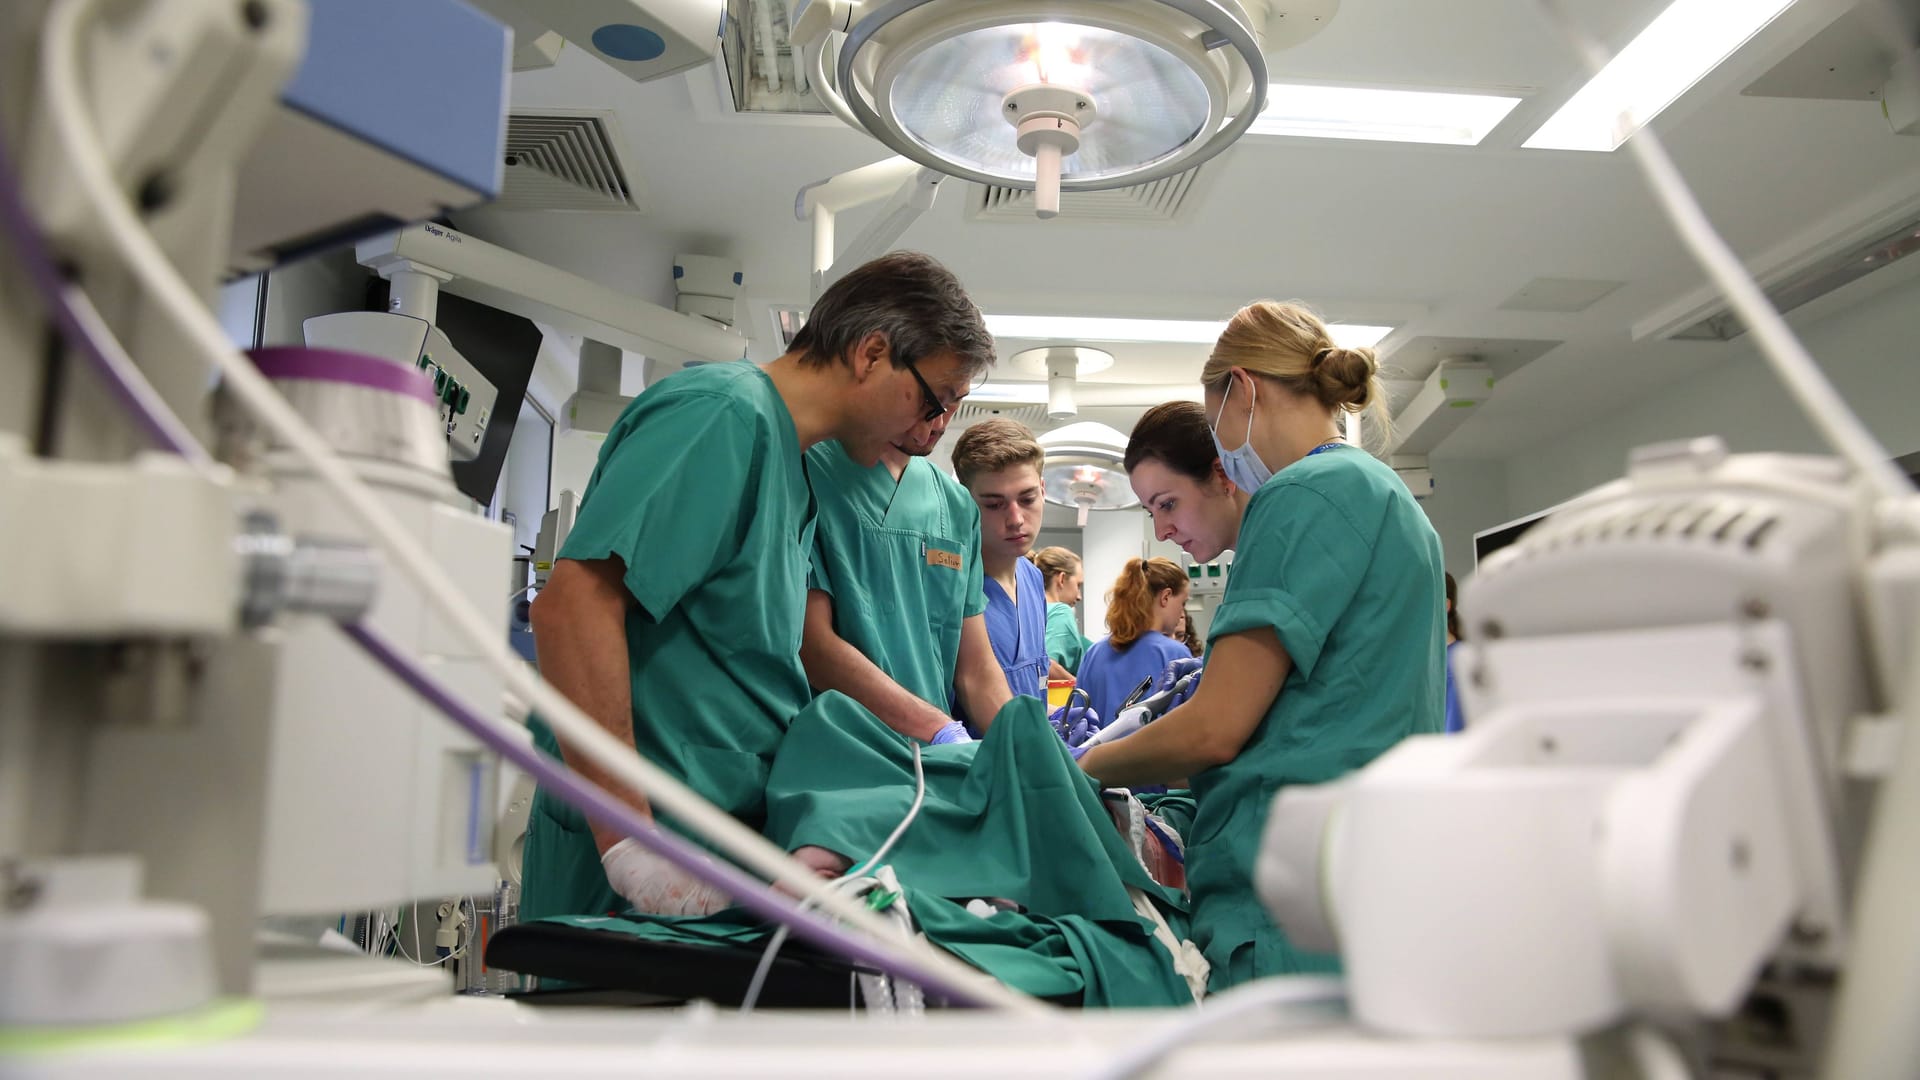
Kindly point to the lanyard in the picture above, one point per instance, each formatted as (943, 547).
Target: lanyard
(1325, 446)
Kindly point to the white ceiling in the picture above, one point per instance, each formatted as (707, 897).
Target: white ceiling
(1430, 239)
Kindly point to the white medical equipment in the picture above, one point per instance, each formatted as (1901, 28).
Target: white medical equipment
(65, 794)
(139, 710)
(1681, 684)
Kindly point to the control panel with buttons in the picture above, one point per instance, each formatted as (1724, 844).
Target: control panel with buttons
(466, 398)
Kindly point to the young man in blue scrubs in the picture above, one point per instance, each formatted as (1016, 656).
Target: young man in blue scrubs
(998, 461)
(895, 613)
(675, 612)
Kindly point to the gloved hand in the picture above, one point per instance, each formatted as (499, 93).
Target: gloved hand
(954, 732)
(1177, 670)
(1074, 723)
(1129, 721)
(655, 886)
(1185, 693)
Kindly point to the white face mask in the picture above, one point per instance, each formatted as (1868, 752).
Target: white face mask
(1242, 466)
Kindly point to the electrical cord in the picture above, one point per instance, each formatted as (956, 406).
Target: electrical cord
(854, 875)
(131, 243)
(1221, 1009)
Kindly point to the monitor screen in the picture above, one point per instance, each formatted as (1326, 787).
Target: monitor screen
(1488, 541)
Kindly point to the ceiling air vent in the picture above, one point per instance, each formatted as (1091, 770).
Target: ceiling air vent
(567, 160)
(971, 411)
(1168, 199)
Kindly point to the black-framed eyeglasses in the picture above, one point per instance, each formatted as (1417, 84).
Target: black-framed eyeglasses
(934, 408)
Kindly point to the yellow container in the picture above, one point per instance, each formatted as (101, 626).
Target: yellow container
(1057, 691)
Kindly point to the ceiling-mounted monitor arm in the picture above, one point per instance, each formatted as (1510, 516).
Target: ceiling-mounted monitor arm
(909, 190)
(440, 259)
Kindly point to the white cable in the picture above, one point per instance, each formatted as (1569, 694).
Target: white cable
(856, 875)
(122, 229)
(1220, 1009)
(1790, 359)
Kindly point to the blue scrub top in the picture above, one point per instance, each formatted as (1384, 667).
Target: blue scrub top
(1019, 631)
(1456, 720)
(1109, 673)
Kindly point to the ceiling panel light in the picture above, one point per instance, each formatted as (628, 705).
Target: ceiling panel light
(1683, 43)
(1351, 112)
(1168, 331)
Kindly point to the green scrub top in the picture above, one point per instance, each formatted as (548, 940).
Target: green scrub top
(901, 560)
(701, 493)
(1337, 558)
(1064, 643)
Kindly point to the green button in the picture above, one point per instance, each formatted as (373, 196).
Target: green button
(465, 397)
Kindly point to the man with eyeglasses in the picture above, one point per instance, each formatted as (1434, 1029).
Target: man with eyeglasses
(676, 610)
(896, 618)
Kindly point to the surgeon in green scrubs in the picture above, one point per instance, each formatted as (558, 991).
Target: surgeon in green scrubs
(1065, 577)
(895, 612)
(1327, 648)
(675, 612)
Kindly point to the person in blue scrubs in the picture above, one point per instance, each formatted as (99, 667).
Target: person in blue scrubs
(1456, 718)
(1144, 608)
(998, 462)
(1327, 649)
(675, 611)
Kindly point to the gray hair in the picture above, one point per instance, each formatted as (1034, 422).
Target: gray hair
(909, 297)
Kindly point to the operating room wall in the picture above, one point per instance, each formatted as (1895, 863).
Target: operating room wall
(1868, 350)
(1468, 496)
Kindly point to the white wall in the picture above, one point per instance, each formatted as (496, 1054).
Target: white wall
(1109, 540)
(1868, 350)
(1468, 496)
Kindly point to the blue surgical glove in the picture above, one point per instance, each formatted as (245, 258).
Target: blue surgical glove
(954, 732)
(1177, 670)
(1073, 723)
(1078, 752)
(1185, 693)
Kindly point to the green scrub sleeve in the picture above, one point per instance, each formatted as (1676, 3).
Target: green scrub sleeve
(1299, 565)
(657, 502)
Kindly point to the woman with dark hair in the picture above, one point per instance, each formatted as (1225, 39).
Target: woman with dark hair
(1327, 648)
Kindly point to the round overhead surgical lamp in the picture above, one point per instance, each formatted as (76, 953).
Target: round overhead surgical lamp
(1061, 364)
(1084, 469)
(1073, 95)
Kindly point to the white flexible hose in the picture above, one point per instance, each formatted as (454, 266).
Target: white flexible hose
(131, 242)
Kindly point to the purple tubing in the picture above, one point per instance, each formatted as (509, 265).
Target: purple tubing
(337, 366)
(595, 802)
(44, 272)
(589, 799)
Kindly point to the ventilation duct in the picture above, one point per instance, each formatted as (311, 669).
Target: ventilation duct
(566, 161)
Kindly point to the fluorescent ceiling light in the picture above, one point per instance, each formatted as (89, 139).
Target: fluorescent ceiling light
(1684, 42)
(1075, 328)
(1351, 112)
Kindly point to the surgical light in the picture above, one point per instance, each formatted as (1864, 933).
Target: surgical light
(1682, 44)
(1084, 468)
(1074, 95)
